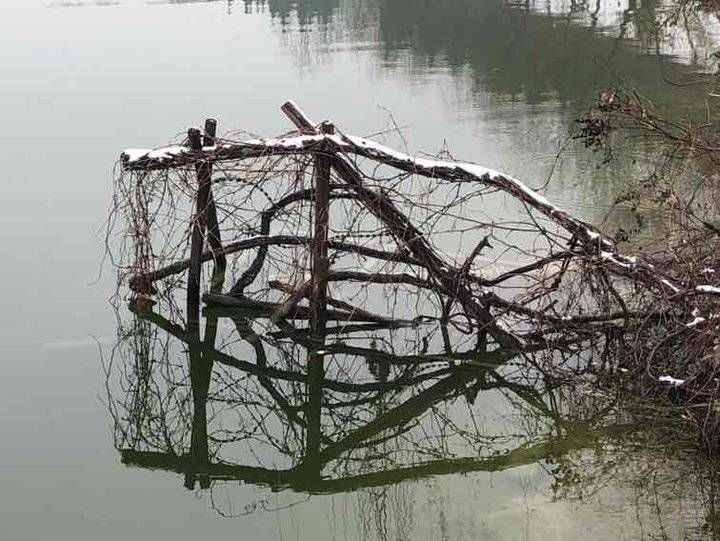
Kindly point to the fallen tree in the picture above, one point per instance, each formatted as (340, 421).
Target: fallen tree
(344, 221)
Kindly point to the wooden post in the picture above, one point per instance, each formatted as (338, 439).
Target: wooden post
(210, 132)
(213, 227)
(318, 308)
(213, 231)
(200, 375)
(196, 246)
(205, 218)
(201, 364)
(320, 263)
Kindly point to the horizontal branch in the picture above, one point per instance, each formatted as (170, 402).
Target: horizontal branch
(272, 309)
(140, 281)
(379, 278)
(305, 292)
(299, 481)
(454, 171)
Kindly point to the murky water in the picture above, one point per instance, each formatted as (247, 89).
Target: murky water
(500, 85)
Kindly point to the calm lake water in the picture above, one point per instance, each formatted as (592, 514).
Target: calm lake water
(502, 85)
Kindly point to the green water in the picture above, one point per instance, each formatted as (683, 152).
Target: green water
(502, 86)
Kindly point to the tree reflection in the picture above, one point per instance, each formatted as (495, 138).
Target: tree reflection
(533, 51)
(249, 408)
(341, 428)
(303, 11)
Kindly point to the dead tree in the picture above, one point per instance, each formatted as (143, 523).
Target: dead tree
(314, 198)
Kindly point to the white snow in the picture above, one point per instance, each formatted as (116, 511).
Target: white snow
(670, 285)
(134, 154)
(695, 321)
(164, 153)
(617, 259)
(671, 380)
(423, 163)
(285, 142)
(708, 289)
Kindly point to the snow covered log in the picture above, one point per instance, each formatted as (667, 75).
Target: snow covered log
(452, 171)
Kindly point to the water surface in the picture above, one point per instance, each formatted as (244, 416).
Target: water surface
(500, 84)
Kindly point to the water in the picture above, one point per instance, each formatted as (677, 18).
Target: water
(81, 81)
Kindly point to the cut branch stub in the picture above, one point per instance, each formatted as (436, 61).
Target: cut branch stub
(298, 117)
(210, 132)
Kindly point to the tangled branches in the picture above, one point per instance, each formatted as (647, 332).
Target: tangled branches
(348, 252)
(457, 267)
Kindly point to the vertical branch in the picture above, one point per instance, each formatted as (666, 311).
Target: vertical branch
(313, 431)
(218, 277)
(318, 306)
(320, 263)
(196, 243)
(213, 227)
(200, 372)
(200, 368)
(201, 364)
(205, 218)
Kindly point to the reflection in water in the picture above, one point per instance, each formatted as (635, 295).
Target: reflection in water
(514, 52)
(303, 12)
(536, 51)
(382, 414)
(664, 27)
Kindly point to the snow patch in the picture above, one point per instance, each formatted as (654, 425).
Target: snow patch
(286, 142)
(671, 380)
(670, 285)
(165, 153)
(471, 168)
(695, 321)
(708, 289)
